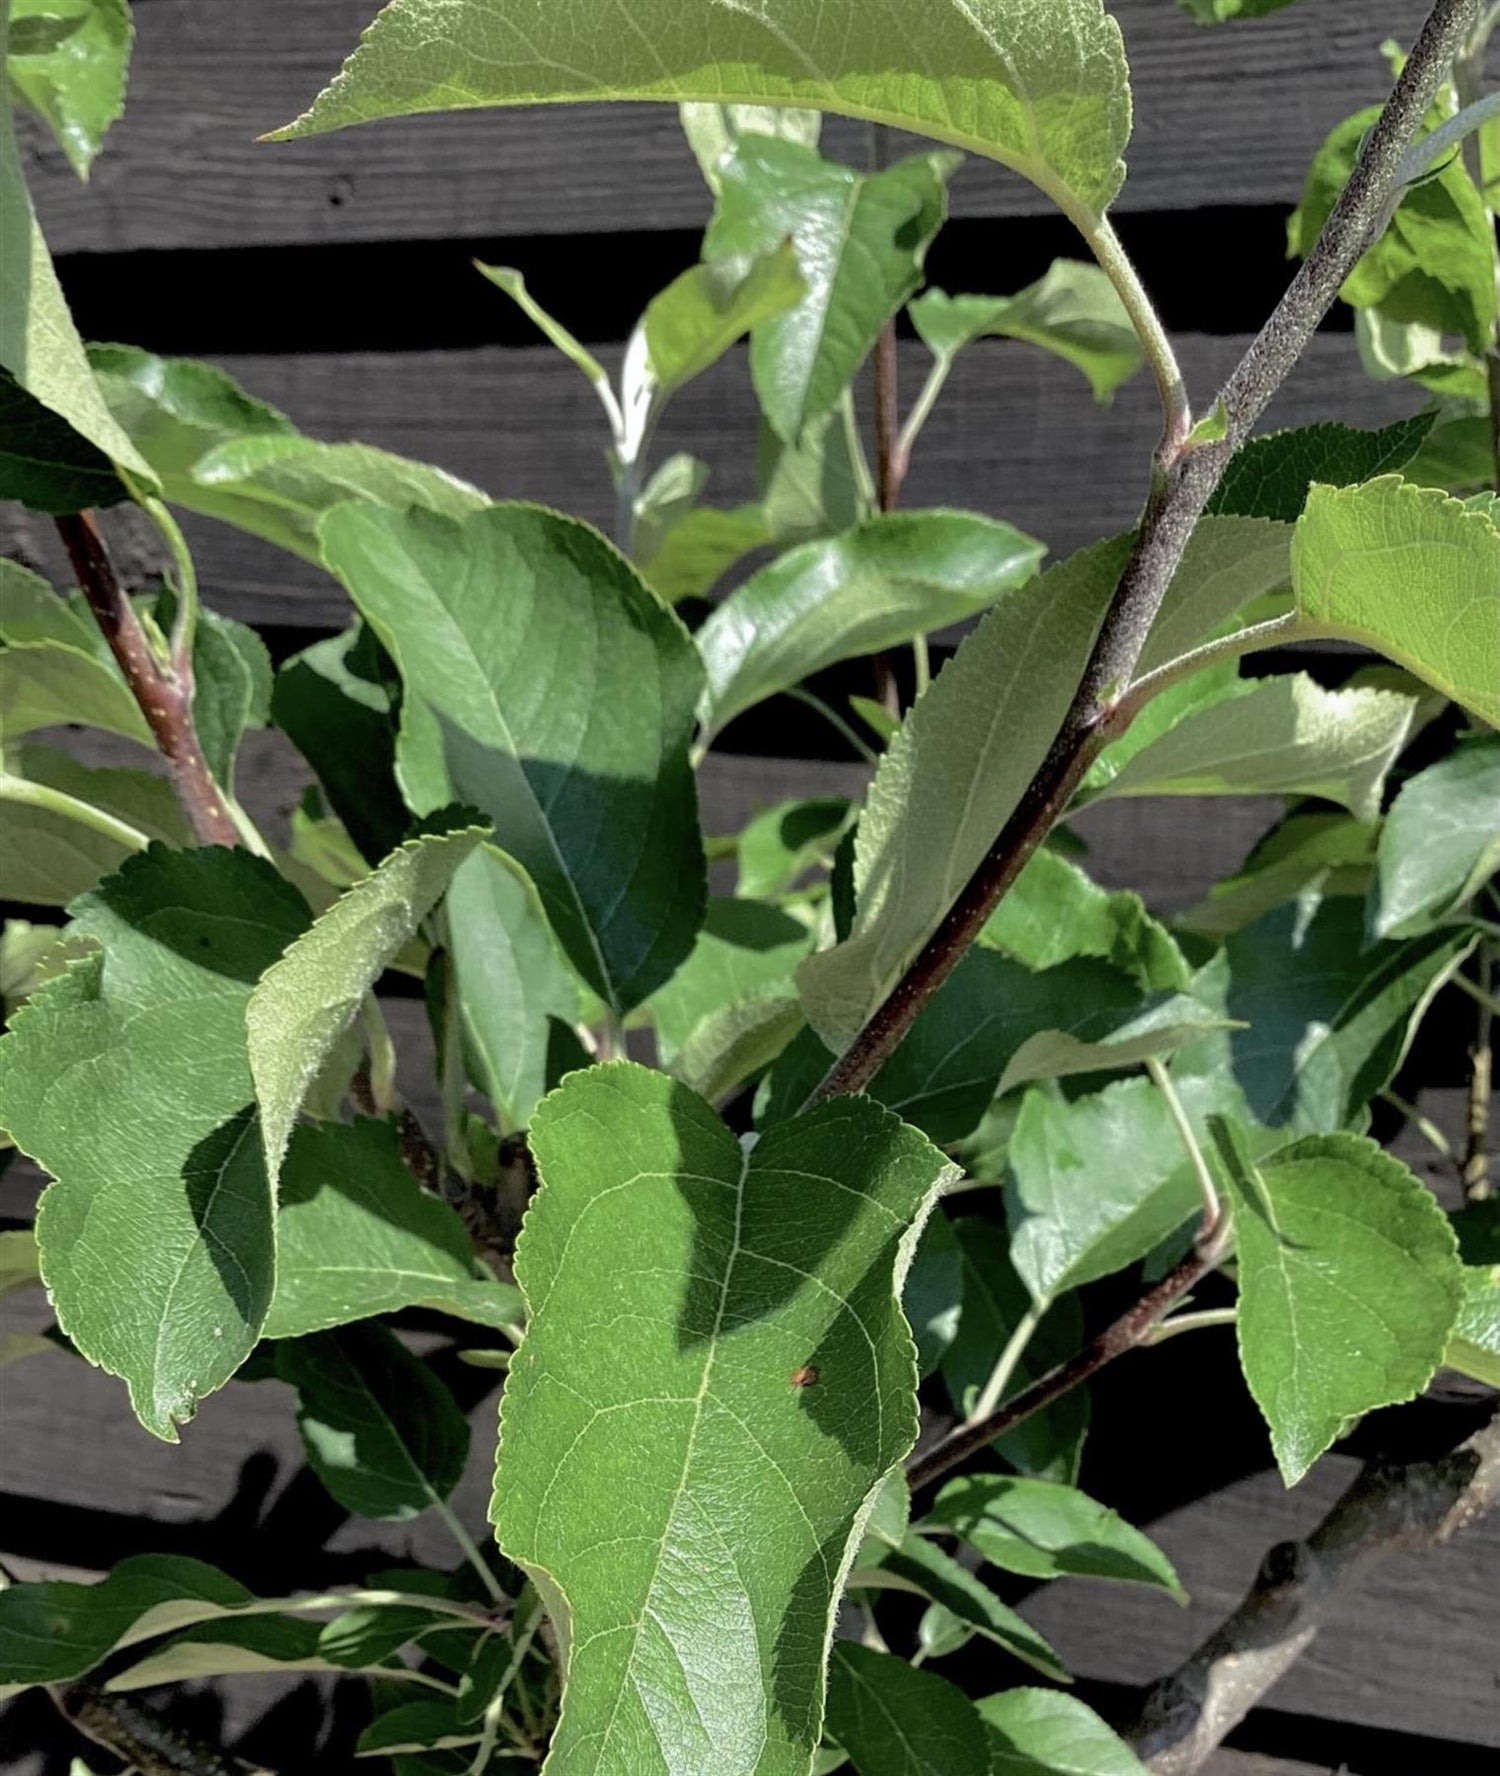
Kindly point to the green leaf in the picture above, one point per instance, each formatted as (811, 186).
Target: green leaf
(1049, 1444)
(714, 130)
(777, 848)
(965, 754)
(1349, 1287)
(698, 549)
(746, 949)
(332, 703)
(517, 999)
(1043, 1531)
(39, 344)
(1054, 912)
(1043, 89)
(220, 452)
(1310, 852)
(574, 742)
(898, 576)
(860, 240)
(733, 1043)
(158, 1020)
(67, 60)
(1269, 477)
(818, 486)
(894, 1720)
(1102, 1040)
(1048, 1733)
(381, 1431)
(1434, 263)
(231, 689)
(356, 1236)
(1327, 1020)
(1073, 312)
(1474, 1348)
(54, 1631)
(1411, 573)
(939, 1576)
(55, 666)
(305, 1002)
(651, 1424)
(44, 463)
(1440, 841)
(1272, 736)
(933, 1296)
(511, 281)
(1095, 1184)
(228, 1648)
(700, 314)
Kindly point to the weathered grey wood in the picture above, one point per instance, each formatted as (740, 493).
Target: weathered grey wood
(1249, 1763)
(1223, 117)
(1414, 1648)
(1017, 434)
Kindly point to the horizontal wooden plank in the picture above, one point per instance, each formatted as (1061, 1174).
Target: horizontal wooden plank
(1016, 434)
(1223, 117)
(1412, 1648)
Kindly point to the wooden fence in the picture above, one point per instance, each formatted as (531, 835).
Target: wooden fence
(332, 277)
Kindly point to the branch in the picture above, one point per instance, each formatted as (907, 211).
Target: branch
(1135, 1327)
(163, 691)
(1388, 1510)
(1184, 477)
(140, 1735)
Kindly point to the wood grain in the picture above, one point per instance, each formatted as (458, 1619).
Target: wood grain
(1223, 117)
(1017, 435)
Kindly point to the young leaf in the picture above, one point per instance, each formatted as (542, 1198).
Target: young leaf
(1043, 89)
(897, 576)
(305, 1002)
(548, 687)
(1043, 1530)
(1350, 1283)
(689, 557)
(715, 1342)
(1440, 841)
(967, 1598)
(894, 1720)
(231, 689)
(1326, 1020)
(746, 948)
(66, 60)
(511, 281)
(860, 240)
(1054, 912)
(220, 452)
(54, 1631)
(158, 1019)
(356, 1237)
(700, 314)
(517, 999)
(1434, 263)
(1474, 1348)
(1272, 736)
(714, 130)
(1410, 572)
(39, 345)
(1046, 1732)
(381, 1431)
(1269, 477)
(818, 486)
(1049, 1444)
(1073, 311)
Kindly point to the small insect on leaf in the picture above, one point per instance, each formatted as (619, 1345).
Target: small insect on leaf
(805, 1377)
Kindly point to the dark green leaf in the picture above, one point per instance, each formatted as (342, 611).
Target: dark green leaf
(47, 465)
(1323, 854)
(1045, 1732)
(381, 1431)
(894, 1720)
(966, 1597)
(1270, 476)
